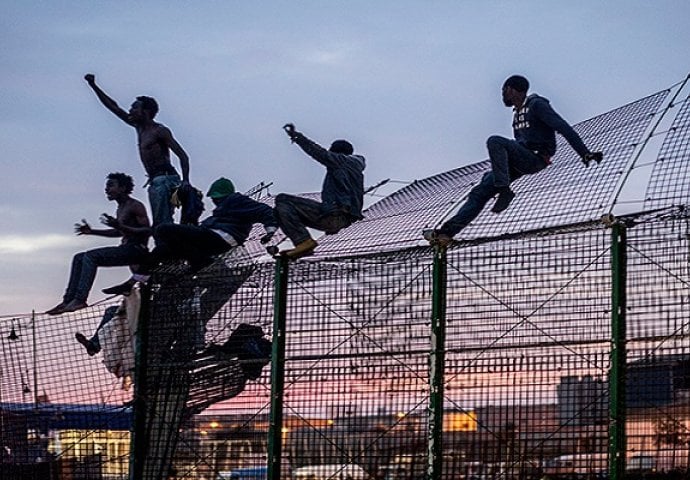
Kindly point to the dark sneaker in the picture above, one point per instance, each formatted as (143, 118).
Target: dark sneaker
(436, 238)
(91, 348)
(121, 289)
(505, 196)
(302, 249)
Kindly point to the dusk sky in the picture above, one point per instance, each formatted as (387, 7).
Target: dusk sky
(414, 85)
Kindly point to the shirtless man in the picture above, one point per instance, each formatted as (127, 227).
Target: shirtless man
(130, 222)
(155, 142)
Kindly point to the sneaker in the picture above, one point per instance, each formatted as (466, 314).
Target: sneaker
(91, 348)
(121, 289)
(436, 238)
(57, 309)
(302, 249)
(74, 305)
(505, 196)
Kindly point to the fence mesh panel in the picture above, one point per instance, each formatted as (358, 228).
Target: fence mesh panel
(527, 345)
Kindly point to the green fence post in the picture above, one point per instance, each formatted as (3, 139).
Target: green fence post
(436, 364)
(275, 429)
(139, 438)
(617, 413)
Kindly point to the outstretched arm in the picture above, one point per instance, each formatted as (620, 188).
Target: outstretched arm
(313, 149)
(108, 102)
(555, 121)
(549, 116)
(84, 228)
(140, 221)
(177, 149)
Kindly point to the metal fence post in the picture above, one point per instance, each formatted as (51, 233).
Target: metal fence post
(275, 429)
(436, 364)
(139, 438)
(617, 408)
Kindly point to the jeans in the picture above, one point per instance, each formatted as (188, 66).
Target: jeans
(189, 242)
(295, 214)
(160, 190)
(509, 161)
(85, 265)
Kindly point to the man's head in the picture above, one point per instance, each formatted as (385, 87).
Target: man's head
(514, 90)
(342, 146)
(118, 185)
(220, 189)
(143, 109)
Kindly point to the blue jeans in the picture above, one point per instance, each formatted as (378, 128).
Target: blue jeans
(85, 265)
(509, 161)
(295, 214)
(160, 190)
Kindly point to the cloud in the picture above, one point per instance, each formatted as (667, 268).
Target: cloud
(22, 244)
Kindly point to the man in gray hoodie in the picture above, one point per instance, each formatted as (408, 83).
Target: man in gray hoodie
(342, 195)
(535, 124)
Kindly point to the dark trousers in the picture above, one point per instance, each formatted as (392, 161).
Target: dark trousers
(187, 242)
(509, 161)
(295, 214)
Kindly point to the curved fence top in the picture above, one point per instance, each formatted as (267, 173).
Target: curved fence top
(567, 192)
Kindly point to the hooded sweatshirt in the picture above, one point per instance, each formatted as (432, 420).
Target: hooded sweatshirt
(535, 124)
(343, 187)
(237, 214)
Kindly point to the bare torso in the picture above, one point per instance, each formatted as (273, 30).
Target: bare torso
(129, 213)
(153, 149)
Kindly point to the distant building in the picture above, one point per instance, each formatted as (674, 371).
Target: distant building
(582, 401)
(658, 381)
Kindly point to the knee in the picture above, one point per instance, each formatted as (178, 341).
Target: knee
(484, 190)
(495, 141)
(163, 230)
(282, 201)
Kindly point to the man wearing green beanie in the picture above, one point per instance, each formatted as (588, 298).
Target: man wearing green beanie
(227, 227)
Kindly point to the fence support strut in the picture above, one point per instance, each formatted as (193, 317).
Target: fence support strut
(436, 364)
(139, 439)
(275, 429)
(617, 408)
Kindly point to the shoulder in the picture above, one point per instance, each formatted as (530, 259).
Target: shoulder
(540, 105)
(358, 160)
(161, 130)
(536, 101)
(135, 205)
(234, 199)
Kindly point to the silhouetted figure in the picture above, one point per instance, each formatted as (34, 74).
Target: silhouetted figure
(130, 222)
(342, 195)
(155, 142)
(535, 124)
(228, 226)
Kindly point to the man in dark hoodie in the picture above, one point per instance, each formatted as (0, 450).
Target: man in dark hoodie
(342, 195)
(227, 227)
(535, 124)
